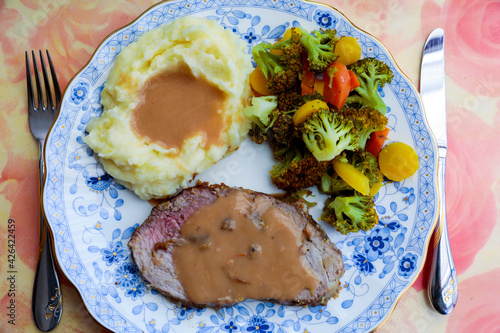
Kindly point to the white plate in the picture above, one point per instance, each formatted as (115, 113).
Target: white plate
(92, 217)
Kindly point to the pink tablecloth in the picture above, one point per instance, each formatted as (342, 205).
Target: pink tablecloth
(72, 30)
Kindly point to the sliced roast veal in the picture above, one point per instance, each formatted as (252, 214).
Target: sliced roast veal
(158, 241)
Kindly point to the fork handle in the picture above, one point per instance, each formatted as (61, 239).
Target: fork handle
(47, 297)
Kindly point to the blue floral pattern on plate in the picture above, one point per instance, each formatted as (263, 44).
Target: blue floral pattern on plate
(92, 216)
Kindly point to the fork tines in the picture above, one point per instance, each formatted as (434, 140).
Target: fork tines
(50, 103)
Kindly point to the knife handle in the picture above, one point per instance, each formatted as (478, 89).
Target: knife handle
(443, 283)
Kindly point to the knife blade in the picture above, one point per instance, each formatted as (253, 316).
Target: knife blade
(443, 284)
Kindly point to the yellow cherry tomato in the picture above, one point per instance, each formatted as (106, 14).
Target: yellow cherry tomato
(307, 109)
(259, 82)
(348, 50)
(352, 176)
(398, 161)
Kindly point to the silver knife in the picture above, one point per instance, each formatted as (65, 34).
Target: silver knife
(443, 284)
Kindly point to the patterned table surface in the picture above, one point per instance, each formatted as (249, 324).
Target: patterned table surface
(72, 31)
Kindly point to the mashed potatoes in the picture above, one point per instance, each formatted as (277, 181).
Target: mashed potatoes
(211, 53)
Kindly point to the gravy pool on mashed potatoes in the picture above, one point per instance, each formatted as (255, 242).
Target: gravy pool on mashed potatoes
(156, 132)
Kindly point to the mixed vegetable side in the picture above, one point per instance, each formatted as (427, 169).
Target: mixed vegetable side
(318, 107)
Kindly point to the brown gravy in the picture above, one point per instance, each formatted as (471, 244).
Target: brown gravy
(175, 106)
(240, 248)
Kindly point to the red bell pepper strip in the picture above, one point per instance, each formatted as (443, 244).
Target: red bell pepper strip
(354, 80)
(337, 84)
(308, 78)
(376, 141)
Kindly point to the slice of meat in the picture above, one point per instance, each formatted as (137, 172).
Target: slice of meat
(153, 245)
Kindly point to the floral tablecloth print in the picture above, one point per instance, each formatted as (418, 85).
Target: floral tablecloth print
(72, 30)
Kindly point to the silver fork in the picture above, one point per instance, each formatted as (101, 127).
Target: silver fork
(47, 297)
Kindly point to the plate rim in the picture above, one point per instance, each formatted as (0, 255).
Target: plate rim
(432, 225)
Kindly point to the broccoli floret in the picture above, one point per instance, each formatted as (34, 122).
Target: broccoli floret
(257, 135)
(262, 116)
(326, 134)
(297, 169)
(279, 77)
(298, 197)
(291, 49)
(362, 160)
(350, 213)
(371, 74)
(280, 70)
(320, 48)
(366, 120)
(287, 100)
(331, 183)
(260, 112)
(284, 132)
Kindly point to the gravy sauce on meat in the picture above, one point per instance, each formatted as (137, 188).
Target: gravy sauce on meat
(181, 103)
(241, 247)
